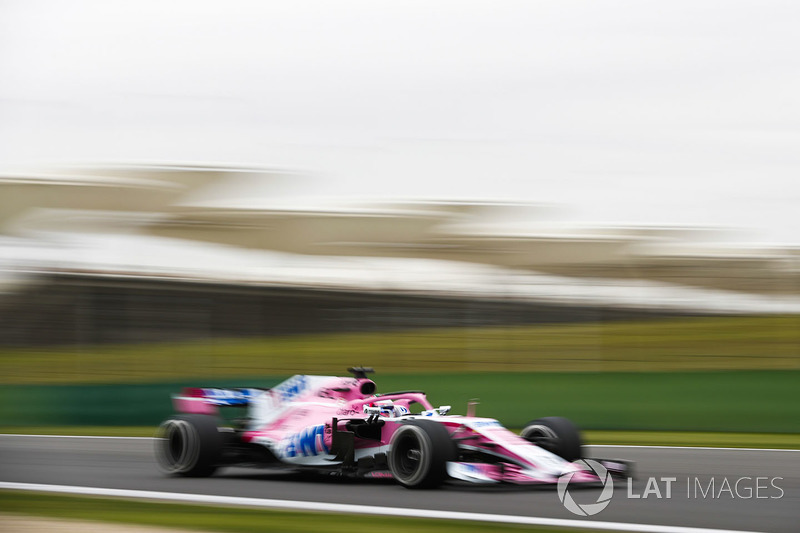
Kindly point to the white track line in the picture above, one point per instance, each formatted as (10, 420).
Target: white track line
(591, 445)
(358, 509)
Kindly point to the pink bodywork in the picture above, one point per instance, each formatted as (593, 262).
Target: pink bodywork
(294, 420)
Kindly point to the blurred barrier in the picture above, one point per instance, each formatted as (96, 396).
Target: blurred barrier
(732, 401)
(662, 345)
(84, 310)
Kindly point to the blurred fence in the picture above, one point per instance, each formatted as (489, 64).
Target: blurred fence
(88, 350)
(84, 310)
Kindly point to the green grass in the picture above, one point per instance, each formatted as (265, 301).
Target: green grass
(641, 438)
(686, 438)
(759, 401)
(720, 401)
(209, 518)
(685, 344)
(94, 431)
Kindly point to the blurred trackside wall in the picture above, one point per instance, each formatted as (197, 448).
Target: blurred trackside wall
(85, 310)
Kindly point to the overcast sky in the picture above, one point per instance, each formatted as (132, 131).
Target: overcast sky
(628, 112)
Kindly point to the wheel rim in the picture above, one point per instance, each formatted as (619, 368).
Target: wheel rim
(177, 450)
(409, 454)
(175, 446)
(542, 436)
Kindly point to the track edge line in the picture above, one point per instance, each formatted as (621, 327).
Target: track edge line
(355, 509)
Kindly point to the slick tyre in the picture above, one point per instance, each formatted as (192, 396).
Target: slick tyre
(189, 445)
(419, 452)
(556, 435)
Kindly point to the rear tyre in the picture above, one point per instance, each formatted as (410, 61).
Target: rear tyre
(189, 445)
(556, 435)
(419, 452)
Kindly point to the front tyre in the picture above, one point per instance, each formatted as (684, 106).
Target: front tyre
(556, 435)
(189, 445)
(420, 450)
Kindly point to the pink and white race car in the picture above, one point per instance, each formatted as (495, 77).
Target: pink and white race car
(341, 426)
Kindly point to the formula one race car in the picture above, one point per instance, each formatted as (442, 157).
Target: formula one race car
(341, 426)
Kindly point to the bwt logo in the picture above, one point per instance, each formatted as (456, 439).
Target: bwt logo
(310, 441)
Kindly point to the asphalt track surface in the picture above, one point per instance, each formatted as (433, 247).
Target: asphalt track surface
(123, 463)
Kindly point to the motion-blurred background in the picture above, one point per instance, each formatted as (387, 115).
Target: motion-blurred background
(570, 208)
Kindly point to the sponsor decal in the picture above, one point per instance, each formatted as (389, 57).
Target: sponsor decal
(476, 473)
(486, 424)
(471, 468)
(291, 388)
(308, 442)
(228, 396)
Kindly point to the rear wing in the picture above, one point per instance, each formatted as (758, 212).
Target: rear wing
(206, 400)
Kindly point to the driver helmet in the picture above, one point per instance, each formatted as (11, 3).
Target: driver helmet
(399, 410)
(389, 408)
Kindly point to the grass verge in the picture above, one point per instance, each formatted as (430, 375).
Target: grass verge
(683, 438)
(635, 438)
(757, 401)
(208, 518)
(681, 344)
(91, 431)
